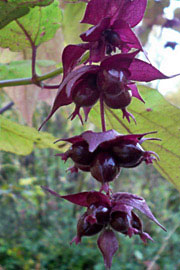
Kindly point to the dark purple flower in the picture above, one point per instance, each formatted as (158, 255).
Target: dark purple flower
(105, 37)
(112, 22)
(112, 28)
(113, 80)
(104, 211)
(104, 153)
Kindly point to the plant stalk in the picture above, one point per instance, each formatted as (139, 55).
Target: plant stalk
(103, 123)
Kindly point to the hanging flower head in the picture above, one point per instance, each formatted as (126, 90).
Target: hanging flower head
(113, 80)
(112, 22)
(115, 211)
(103, 154)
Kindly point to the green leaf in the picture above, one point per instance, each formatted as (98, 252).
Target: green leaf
(14, 9)
(41, 24)
(155, 115)
(71, 26)
(22, 68)
(21, 140)
(17, 69)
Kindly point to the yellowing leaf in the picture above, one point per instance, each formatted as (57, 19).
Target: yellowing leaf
(14, 9)
(41, 23)
(21, 140)
(73, 14)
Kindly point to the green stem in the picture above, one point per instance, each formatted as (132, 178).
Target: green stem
(27, 81)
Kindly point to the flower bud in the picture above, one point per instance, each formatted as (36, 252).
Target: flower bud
(111, 82)
(128, 155)
(101, 213)
(104, 167)
(85, 228)
(85, 92)
(120, 222)
(80, 154)
(120, 101)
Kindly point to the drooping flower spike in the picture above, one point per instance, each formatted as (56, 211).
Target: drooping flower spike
(103, 154)
(103, 212)
(113, 81)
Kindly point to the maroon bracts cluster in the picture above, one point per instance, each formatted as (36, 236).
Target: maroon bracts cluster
(112, 81)
(106, 214)
(105, 153)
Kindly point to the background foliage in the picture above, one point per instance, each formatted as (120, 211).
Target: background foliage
(35, 229)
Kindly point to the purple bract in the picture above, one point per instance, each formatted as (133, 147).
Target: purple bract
(130, 11)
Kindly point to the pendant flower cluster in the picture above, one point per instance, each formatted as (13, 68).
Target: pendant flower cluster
(103, 154)
(106, 214)
(110, 79)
